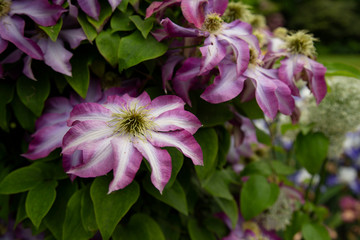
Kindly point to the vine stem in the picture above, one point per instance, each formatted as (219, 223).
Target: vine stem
(322, 180)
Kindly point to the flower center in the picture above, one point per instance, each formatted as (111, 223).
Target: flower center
(4, 7)
(301, 43)
(258, 21)
(134, 121)
(237, 10)
(280, 32)
(212, 23)
(254, 58)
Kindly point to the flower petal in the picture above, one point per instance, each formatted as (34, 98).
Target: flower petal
(182, 140)
(3, 45)
(285, 100)
(82, 133)
(289, 68)
(27, 68)
(73, 36)
(165, 103)
(12, 29)
(114, 4)
(174, 30)
(160, 162)
(58, 105)
(177, 120)
(127, 160)
(226, 86)
(40, 11)
(45, 140)
(193, 11)
(316, 77)
(90, 7)
(157, 7)
(89, 111)
(167, 69)
(265, 92)
(217, 6)
(213, 52)
(97, 157)
(49, 119)
(73, 160)
(56, 56)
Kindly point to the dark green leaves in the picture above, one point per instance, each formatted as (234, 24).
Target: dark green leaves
(144, 26)
(33, 93)
(257, 195)
(39, 201)
(134, 49)
(21, 180)
(110, 208)
(311, 150)
(108, 44)
(141, 226)
(53, 31)
(312, 231)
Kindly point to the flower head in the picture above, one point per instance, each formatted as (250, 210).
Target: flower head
(301, 43)
(116, 136)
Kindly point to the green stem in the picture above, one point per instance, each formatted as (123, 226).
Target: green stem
(309, 187)
(322, 180)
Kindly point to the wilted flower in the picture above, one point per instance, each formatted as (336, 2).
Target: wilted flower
(118, 134)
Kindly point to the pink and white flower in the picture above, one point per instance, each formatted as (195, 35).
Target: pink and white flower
(118, 134)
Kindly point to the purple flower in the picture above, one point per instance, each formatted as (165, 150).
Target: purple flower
(52, 125)
(206, 16)
(118, 134)
(12, 26)
(271, 93)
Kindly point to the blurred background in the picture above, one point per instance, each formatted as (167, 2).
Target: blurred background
(336, 23)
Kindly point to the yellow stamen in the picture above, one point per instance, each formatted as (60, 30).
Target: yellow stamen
(301, 43)
(4, 7)
(212, 23)
(237, 11)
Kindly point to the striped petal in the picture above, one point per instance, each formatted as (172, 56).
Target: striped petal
(83, 133)
(127, 160)
(114, 4)
(58, 105)
(213, 52)
(289, 68)
(160, 162)
(165, 103)
(12, 30)
(97, 157)
(174, 30)
(73, 36)
(46, 140)
(316, 77)
(176, 120)
(193, 11)
(89, 111)
(182, 140)
(41, 11)
(285, 100)
(226, 86)
(56, 56)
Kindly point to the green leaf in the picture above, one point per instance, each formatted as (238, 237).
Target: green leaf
(111, 208)
(21, 180)
(281, 168)
(174, 196)
(33, 93)
(261, 167)
(218, 185)
(21, 211)
(230, 208)
(211, 115)
(51, 169)
(134, 49)
(53, 31)
(330, 193)
(250, 109)
(88, 29)
(340, 69)
(80, 74)
(257, 195)
(54, 220)
(73, 227)
(199, 233)
(6, 96)
(123, 5)
(311, 150)
(121, 22)
(4, 206)
(208, 140)
(39, 201)
(87, 212)
(177, 160)
(25, 117)
(263, 137)
(105, 14)
(311, 231)
(140, 226)
(297, 221)
(224, 139)
(144, 26)
(108, 45)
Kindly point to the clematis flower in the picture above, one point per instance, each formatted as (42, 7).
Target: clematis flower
(52, 125)
(299, 63)
(118, 134)
(12, 26)
(206, 16)
(270, 92)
